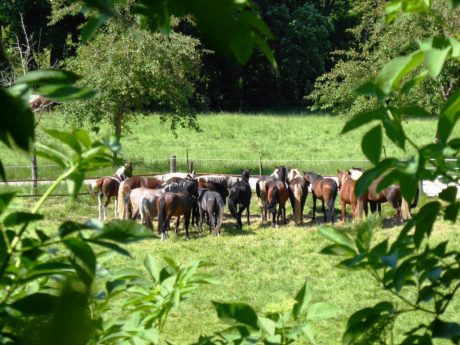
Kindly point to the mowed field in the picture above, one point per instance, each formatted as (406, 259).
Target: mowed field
(259, 265)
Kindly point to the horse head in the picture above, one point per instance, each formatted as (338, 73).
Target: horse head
(310, 176)
(245, 175)
(191, 187)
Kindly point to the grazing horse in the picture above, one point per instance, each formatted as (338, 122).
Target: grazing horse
(108, 186)
(347, 187)
(391, 194)
(240, 194)
(324, 189)
(298, 192)
(277, 193)
(178, 204)
(124, 208)
(212, 204)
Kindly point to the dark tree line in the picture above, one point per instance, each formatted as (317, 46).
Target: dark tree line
(305, 33)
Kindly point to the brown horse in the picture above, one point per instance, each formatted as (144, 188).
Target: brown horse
(124, 208)
(326, 190)
(277, 193)
(347, 195)
(108, 186)
(261, 191)
(176, 205)
(298, 192)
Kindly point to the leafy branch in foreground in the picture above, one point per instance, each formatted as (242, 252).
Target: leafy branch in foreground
(248, 327)
(423, 276)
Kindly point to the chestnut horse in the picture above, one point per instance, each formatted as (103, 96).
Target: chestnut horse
(108, 186)
(175, 205)
(326, 190)
(124, 207)
(277, 193)
(347, 195)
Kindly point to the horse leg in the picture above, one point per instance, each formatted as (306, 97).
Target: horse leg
(284, 214)
(314, 206)
(176, 230)
(379, 206)
(106, 205)
(187, 223)
(324, 210)
(248, 215)
(116, 207)
(274, 218)
(99, 205)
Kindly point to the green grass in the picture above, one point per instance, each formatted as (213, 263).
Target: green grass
(260, 265)
(305, 141)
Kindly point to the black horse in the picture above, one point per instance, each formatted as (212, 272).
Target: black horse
(210, 203)
(240, 195)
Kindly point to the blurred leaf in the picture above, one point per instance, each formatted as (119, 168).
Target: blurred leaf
(267, 326)
(238, 312)
(303, 298)
(69, 227)
(363, 118)
(371, 144)
(370, 175)
(449, 194)
(339, 250)
(36, 304)
(446, 330)
(65, 92)
(5, 199)
(2, 172)
(122, 231)
(322, 311)
(48, 77)
(450, 114)
(18, 218)
(424, 221)
(16, 121)
(92, 24)
(112, 246)
(85, 256)
(336, 236)
(153, 267)
(242, 46)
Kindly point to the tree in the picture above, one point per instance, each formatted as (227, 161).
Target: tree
(376, 43)
(132, 69)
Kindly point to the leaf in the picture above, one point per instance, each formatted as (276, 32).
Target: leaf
(18, 218)
(5, 200)
(48, 77)
(153, 267)
(2, 172)
(36, 304)
(266, 325)
(424, 221)
(449, 194)
(453, 3)
(393, 72)
(434, 60)
(238, 312)
(303, 298)
(338, 249)
(446, 330)
(450, 113)
(372, 144)
(65, 92)
(17, 121)
(92, 24)
(85, 255)
(363, 118)
(370, 175)
(112, 246)
(242, 46)
(122, 231)
(336, 236)
(322, 311)
(69, 227)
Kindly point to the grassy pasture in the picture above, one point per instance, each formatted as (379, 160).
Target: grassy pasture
(305, 141)
(261, 266)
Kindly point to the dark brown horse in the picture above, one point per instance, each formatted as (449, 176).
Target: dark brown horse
(347, 195)
(324, 189)
(124, 208)
(239, 198)
(108, 186)
(277, 194)
(176, 205)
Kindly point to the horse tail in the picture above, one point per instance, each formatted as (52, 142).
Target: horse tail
(232, 205)
(274, 193)
(297, 203)
(359, 207)
(405, 210)
(219, 215)
(162, 219)
(145, 213)
(121, 200)
(95, 186)
(417, 196)
(333, 196)
(258, 190)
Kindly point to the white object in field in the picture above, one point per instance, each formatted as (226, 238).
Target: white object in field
(433, 188)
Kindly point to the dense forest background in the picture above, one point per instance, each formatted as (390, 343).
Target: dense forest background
(324, 49)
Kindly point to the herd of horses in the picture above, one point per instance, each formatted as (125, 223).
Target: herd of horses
(202, 199)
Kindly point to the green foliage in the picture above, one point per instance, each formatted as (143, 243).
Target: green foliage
(423, 276)
(248, 327)
(376, 43)
(145, 69)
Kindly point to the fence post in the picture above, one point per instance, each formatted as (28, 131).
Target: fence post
(260, 165)
(173, 164)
